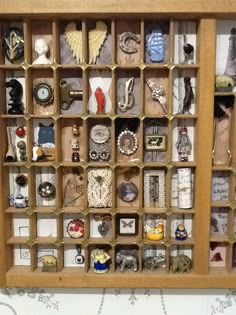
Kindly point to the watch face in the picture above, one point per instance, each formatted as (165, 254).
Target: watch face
(43, 94)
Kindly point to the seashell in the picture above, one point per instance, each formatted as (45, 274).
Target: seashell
(156, 45)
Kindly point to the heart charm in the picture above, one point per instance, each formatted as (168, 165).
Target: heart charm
(103, 228)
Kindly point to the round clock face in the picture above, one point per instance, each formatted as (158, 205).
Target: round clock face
(43, 94)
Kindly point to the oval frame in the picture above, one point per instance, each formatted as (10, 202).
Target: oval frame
(127, 147)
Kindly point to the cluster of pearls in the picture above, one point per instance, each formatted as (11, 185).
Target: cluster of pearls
(95, 155)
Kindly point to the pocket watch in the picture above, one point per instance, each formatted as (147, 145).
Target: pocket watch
(43, 94)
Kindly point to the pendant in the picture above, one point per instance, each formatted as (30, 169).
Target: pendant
(127, 191)
(127, 142)
(103, 228)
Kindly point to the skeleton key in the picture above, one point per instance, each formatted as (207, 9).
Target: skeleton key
(129, 96)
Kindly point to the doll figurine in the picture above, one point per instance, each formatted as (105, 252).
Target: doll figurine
(100, 260)
(41, 48)
(180, 232)
(183, 145)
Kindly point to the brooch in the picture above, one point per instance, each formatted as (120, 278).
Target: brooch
(158, 94)
(100, 134)
(127, 142)
(13, 44)
(128, 101)
(46, 190)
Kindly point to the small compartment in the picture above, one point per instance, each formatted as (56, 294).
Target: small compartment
(154, 188)
(45, 191)
(182, 188)
(100, 258)
(44, 140)
(99, 189)
(73, 226)
(184, 92)
(128, 188)
(100, 140)
(73, 140)
(16, 133)
(128, 42)
(157, 42)
(73, 190)
(99, 47)
(127, 139)
(128, 92)
(154, 258)
(71, 47)
(18, 187)
(220, 186)
(183, 140)
(217, 254)
(46, 225)
(21, 255)
(225, 55)
(127, 226)
(155, 139)
(47, 258)
(156, 92)
(74, 256)
(185, 42)
(71, 92)
(42, 43)
(223, 142)
(15, 92)
(100, 94)
(127, 258)
(181, 226)
(20, 225)
(219, 221)
(100, 225)
(181, 259)
(154, 227)
(42, 92)
(13, 45)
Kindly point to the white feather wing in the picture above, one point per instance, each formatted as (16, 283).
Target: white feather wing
(74, 40)
(97, 37)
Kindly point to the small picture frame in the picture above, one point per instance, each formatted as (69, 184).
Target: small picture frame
(127, 142)
(155, 143)
(127, 225)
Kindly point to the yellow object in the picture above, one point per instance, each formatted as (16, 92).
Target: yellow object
(97, 37)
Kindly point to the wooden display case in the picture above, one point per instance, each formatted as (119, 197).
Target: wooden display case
(88, 187)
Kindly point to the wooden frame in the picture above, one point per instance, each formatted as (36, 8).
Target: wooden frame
(118, 69)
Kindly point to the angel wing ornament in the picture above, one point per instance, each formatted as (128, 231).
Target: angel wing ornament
(97, 37)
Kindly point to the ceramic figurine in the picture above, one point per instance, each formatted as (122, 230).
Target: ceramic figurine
(97, 37)
(75, 157)
(41, 48)
(156, 45)
(13, 44)
(180, 263)
(74, 144)
(19, 201)
(126, 260)
(154, 233)
(100, 98)
(100, 260)
(16, 94)
(181, 233)
(49, 263)
(183, 145)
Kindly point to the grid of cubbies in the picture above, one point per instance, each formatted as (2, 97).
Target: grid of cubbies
(54, 72)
